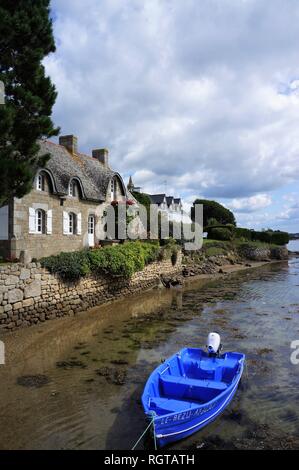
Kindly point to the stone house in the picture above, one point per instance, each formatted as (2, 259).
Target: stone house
(64, 211)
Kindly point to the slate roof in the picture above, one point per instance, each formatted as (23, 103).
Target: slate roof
(92, 175)
(169, 200)
(157, 198)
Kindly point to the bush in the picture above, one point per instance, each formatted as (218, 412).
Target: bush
(280, 238)
(266, 236)
(145, 201)
(220, 233)
(169, 249)
(70, 266)
(243, 233)
(123, 260)
(214, 211)
(120, 260)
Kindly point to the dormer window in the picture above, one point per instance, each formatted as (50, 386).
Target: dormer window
(40, 182)
(113, 187)
(73, 189)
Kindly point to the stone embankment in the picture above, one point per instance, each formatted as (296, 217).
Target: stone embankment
(207, 263)
(261, 254)
(29, 294)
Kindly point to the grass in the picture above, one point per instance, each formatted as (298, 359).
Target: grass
(215, 251)
(255, 244)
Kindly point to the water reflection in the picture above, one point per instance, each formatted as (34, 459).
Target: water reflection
(96, 364)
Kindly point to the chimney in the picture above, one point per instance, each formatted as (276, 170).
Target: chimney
(101, 155)
(70, 142)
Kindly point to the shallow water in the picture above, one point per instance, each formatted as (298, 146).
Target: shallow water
(293, 245)
(75, 383)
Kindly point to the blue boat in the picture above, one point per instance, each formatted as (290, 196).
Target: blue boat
(189, 390)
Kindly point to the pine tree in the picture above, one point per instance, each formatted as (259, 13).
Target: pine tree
(26, 37)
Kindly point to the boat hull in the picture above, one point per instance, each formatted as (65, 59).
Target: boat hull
(185, 424)
(189, 391)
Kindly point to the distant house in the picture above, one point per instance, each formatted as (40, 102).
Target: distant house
(178, 206)
(65, 206)
(167, 204)
(159, 200)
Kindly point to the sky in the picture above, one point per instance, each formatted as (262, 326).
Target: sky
(198, 98)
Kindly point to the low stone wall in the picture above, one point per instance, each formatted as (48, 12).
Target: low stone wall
(30, 294)
(260, 253)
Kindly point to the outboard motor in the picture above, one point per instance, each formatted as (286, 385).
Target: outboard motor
(214, 345)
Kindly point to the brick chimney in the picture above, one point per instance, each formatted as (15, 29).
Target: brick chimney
(70, 142)
(101, 155)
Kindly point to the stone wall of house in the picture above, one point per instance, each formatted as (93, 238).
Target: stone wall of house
(35, 245)
(29, 294)
(26, 246)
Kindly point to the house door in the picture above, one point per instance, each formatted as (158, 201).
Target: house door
(91, 227)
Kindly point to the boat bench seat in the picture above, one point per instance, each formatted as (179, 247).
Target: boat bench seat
(163, 405)
(196, 389)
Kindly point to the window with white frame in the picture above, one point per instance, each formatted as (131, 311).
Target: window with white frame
(40, 182)
(40, 221)
(91, 224)
(73, 189)
(113, 186)
(72, 223)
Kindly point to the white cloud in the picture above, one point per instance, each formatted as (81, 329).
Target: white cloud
(201, 94)
(250, 204)
(290, 213)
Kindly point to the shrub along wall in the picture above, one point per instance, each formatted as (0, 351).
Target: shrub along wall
(229, 232)
(120, 260)
(31, 294)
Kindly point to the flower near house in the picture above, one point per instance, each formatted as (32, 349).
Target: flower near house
(128, 202)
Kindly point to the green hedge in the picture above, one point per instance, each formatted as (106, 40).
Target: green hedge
(274, 238)
(120, 260)
(70, 266)
(221, 233)
(243, 233)
(228, 232)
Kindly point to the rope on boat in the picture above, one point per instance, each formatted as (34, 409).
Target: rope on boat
(152, 423)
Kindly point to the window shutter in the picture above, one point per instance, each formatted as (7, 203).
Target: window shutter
(65, 221)
(31, 220)
(79, 224)
(49, 222)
